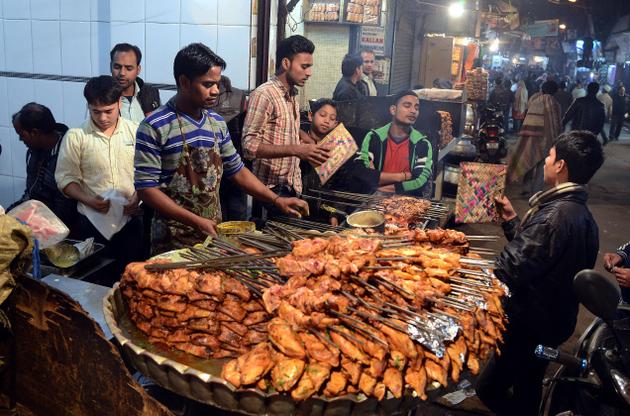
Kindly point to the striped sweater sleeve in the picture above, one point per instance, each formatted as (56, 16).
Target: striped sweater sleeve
(148, 157)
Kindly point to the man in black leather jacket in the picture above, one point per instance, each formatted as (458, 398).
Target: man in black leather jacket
(557, 238)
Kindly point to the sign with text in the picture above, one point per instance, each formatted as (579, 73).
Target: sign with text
(373, 37)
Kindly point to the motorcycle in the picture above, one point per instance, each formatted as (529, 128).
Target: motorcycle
(491, 143)
(595, 380)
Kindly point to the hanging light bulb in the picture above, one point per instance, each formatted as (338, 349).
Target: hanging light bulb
(456, 9)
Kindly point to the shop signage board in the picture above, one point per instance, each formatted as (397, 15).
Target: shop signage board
(373, 37)
(543, 28)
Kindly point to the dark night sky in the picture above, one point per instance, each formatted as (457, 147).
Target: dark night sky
(604, 12)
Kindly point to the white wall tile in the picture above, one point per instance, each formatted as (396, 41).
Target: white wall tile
(17, 45)
(16, 9)
(45, 9)
(74, 107)
(75, 48)
(206, 34)
(5, 120)
(234, 12)
(18, 155)
(50, 94)
(19, 185)
(234, 49)
(163, 11)
(200, 12)
(2, 47)
(6, 166)
(6, 191)
(46, 47)
(162, 44)
(19, 92)
(126, 10)
(132, 33)
(99, 11)
(101, 44)
(76, 10)
(166, 95)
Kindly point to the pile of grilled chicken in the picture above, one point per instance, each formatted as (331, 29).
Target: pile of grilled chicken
(346, 320)
(207, 314)
(400, 211)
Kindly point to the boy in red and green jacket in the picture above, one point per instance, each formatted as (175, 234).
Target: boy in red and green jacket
(403, 155)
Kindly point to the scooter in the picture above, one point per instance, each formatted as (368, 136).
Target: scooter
(491, 143)
(595, 380)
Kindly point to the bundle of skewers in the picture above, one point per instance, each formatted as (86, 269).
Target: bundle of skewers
(357, 315)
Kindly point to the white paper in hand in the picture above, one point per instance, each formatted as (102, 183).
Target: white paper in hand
(113, 221)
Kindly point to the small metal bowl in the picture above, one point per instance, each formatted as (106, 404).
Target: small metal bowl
(367, 219)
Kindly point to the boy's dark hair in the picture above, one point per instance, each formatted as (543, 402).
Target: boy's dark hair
(350, 64)
(401, 95)
(592, 88)
(103, 90)
(582, 153)
(315, 107)
(126, 47)
(35, 116)
(549, 87)
(195, 60)
(290, 47)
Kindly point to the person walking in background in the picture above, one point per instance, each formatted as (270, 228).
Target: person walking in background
(586, 113)
(348, 87)
(605, 99)
(619, 112)
(367, 80)
(139, 99)
(519, 108)
(563, 97)
(578, 91)
(539, 132)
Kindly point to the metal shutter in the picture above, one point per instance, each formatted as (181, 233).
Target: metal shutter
(402, 60)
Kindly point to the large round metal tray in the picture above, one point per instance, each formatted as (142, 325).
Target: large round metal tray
(200, 379)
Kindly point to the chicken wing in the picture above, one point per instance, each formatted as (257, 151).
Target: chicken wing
(317, 351)
(436, 372)
(348, 347)
(255, 364)
(417, 379)
(367, 383)
(399, 341)
(336, 384)
(392, 378)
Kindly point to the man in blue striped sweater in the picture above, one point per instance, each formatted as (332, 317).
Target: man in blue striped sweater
(182, 151)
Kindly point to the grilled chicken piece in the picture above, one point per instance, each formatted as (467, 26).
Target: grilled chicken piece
(262, 384)
(227, 336)
(309, 247)
(392, 378)
(254, 337)
(376, 368)
(237, 328)
(336, 384)
(255, 364)
(193, 312)
(379, 391)
(210, 284)
(236, 288)
(317, 351)
(181, 335)
(255, 317)
(417, 379)
(253, 306)
(206, 304)
(208, 325)
(144, 309)
(473, 364)
(231, 373)
(318, 374)
(397, 360)
(367, 383)
(206, 341)
(436, 372)
(285, 339)
(171, 303)
(196, 350)
(286, 373)
(352, 369)
(457, 353)
(233, 309)
(399, 341)
(348, 347)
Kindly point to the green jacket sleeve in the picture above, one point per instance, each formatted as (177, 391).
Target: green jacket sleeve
(420, 175)
(365, 149)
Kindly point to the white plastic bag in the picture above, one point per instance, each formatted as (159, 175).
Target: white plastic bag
(46, 227)
(114, 220)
